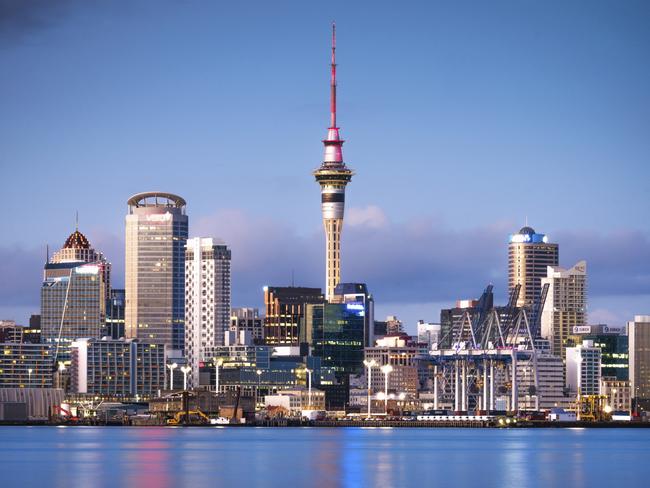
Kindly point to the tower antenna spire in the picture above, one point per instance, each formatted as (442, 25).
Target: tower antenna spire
(333, 80)
(76, 220)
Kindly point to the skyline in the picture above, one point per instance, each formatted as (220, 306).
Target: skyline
(451, 252)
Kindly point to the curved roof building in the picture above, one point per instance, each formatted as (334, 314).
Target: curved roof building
(156, 233)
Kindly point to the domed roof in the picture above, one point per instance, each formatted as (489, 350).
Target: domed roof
(76, 241)
(527, 231)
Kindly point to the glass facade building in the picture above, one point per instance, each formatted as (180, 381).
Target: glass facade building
(156, 233)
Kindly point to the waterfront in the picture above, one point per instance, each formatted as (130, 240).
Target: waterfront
(169, 457)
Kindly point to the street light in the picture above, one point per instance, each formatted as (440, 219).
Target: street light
(369, 365)
(171, 367)
(29, 372)
(185, 370)
(309, 372)
(386, 369)
(217, 364)
(259, 379)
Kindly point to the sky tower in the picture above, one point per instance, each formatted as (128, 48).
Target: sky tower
(333, 175)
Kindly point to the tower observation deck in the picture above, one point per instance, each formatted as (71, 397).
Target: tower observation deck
(333, 176)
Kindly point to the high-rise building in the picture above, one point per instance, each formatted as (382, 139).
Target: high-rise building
(357, 297)
(156, 232)
(335, 333)
(73, 302)
(246, 319)
(613, 343)
(529, 253)
(77, 249)
(333, 176)
(285, 307)
(583, 369)
(122, 367)
(566, 305)
(207, 299)
(115, 314)
(638, 332)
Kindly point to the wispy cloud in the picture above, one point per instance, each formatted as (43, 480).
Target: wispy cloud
(409, 263)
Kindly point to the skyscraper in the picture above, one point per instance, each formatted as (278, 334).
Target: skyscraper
(207, 299)
(639, 336)
(156, 232)
(74, 292)
(565, 306)
(333, 175)
(285, 308)
(529, 254)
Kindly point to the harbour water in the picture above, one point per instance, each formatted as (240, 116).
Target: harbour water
(164, 457)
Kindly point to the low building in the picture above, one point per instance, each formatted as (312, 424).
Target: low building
(117, 367)
(583, 369)
(618, 393)
(297, 399)
(38, 401)
(24, 365)
(397, 352)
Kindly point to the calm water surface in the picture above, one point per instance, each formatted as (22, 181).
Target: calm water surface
(295, 457)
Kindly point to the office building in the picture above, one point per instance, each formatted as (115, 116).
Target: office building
(428, 333)
(336, 333)
(156, 232)
(356, 297)
(613, 343)
(117, 368)
(549, 392)
(638, 331)
(529, 254)
(618, 393)
(296, 400)
(247, 320)
(566, 305)
(285, 306)
(115, 314)
(26, 365)
(333, 176)
(77, 249)
(207, 299)
(402, 356)
(73, 302)
(394, 326)
(583, 369)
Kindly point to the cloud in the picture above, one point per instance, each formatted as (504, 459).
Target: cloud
(370, 216)
(405, 264)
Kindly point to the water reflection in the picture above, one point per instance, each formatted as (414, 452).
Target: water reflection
(328, 458)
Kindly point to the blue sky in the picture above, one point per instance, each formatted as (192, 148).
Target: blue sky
(461, 120)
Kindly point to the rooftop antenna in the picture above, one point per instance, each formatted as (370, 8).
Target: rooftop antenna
(292, 280)
(47, 253)
(76, 221)
(526, 220)
(333, 80)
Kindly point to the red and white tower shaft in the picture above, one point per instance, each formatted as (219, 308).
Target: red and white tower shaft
(333, 175)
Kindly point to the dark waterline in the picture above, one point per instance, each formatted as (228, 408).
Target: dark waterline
(295, 457)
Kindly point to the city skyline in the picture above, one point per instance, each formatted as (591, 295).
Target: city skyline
(415, 252)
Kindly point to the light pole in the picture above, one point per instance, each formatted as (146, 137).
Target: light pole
(185, 370)
(309, 372)
(259, 379)
(217, 364)
(386, 369)
(369, 365)
(171, 367)
(29, 372)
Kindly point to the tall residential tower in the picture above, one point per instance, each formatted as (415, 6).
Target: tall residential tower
(333, 175)
(156, 232)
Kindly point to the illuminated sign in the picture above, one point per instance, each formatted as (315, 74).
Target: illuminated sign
(357, 308)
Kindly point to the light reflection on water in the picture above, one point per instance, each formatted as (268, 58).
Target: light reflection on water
(327, 458)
